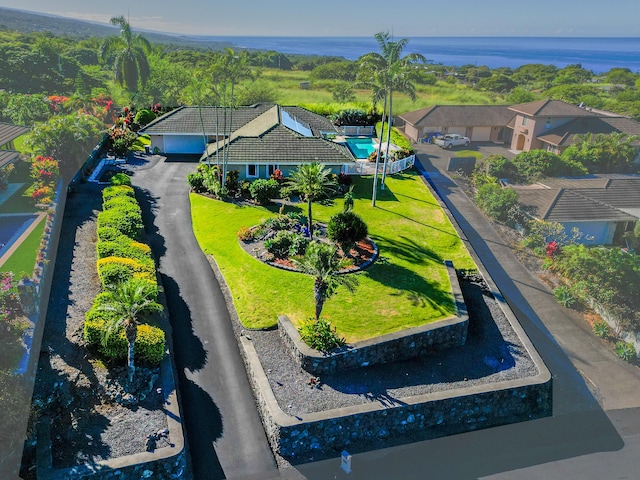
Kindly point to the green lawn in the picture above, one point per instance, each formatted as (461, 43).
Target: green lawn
(24, 258)
(409, 287)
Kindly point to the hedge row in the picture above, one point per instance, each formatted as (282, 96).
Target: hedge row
(122, 258)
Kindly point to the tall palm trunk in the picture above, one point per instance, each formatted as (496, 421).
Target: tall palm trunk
(375, 174)
(386, 155)
(309, 219)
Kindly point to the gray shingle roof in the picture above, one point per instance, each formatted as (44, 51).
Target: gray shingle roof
(564, 135)
(457, 115)
(9, 132)
(186, 120)
(550, 108)
(609, 198)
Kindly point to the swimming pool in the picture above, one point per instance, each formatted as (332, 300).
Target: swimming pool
(11, 227)
(361, 147)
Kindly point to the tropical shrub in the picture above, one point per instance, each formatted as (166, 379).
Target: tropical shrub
(245, 234)
(601, 329)
(496, 201)
(320, 334)
(196, 182)
(280, 244)
(117, 270)
(262, 191)
(626, 351)
(299, 244)
(143, 117)
(564, 296)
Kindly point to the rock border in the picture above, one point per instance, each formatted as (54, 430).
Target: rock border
(392, 347)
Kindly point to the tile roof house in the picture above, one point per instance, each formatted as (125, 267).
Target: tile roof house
(8, 133)
(263, 137)
(481, 123)
(545, 124)
(600, 206)
(279, 139)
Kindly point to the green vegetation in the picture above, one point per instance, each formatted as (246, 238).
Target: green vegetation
(409, 286)
(24, 257)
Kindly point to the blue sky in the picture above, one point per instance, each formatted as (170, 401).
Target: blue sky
(592, 18)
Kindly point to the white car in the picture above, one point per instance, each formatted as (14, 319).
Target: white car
(452, 140)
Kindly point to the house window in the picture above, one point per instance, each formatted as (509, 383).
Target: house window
(252, 170)
(271, 169)
(524, 121)
(548, 124)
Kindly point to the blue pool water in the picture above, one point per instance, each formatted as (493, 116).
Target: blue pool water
(360, 147)
(11, 227)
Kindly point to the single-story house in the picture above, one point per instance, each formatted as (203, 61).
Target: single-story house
(481, 123)
(8, 133)
(602, 206)
(280, 138)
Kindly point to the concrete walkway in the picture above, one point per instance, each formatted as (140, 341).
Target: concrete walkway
(224, 432)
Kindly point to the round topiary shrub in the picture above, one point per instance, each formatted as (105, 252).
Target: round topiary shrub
(127, 222)
(120, 201)
(117, 270)
(125, 249)
(346, 229)
(262, 191)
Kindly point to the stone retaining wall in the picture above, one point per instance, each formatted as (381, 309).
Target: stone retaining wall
(323, 434)
(410, 343)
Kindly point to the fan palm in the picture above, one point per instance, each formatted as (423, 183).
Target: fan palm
(128, 302)
(321, 261)
(386, 72)
(313, 181)
(130, 64)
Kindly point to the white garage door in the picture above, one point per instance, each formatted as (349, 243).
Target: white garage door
(183, 144)
(481, 134)
(459, 130)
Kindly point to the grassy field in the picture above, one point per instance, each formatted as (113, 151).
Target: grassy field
(409, 286)
(288, 92)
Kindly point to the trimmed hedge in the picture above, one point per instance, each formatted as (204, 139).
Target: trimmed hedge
(117, 191)
(110, 234)
(127, 222)
(149, 346)
(115, 202)
(121, 179)
(125, 249)
(116, 270)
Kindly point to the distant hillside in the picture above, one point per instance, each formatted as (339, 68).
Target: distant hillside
(23, 21)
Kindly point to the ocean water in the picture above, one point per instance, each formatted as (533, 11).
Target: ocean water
(597, 54)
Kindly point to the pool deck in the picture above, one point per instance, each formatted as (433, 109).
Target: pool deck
(14, 246)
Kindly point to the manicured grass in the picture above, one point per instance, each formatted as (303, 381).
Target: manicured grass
(24, 258)
(409, 286)
(469, 153)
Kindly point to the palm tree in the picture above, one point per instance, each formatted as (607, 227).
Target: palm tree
(386, 72)
(313, 181)
(130, 65)
(199, 93)
(128, 301)
(321, 262)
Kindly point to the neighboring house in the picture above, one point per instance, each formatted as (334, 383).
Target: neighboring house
(8, 133)
(280, 138)
(546, 124)
(602, 206)
(481, 123)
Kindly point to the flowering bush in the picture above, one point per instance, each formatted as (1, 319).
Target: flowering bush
(553, 248)
(45, 169)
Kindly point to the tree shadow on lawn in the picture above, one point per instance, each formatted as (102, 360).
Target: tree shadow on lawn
(407, 249)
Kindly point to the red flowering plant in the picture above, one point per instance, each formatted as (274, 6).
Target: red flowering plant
(56, 103)
(45, 169)
(277, 176)
(553, 249)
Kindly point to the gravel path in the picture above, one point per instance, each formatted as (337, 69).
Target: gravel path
(71, 386)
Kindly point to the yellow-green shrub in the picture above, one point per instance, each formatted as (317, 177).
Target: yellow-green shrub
(128, 222)
(116, 270)
(149, 345)
(122, 201)
(117, 191)
(125, 248)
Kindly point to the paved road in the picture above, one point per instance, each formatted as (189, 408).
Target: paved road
(225, 436)
(594, 432)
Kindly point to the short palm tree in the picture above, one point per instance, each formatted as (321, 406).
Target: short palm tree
(130, 65)
(313, 181)
(321, 261)
(128, 302)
